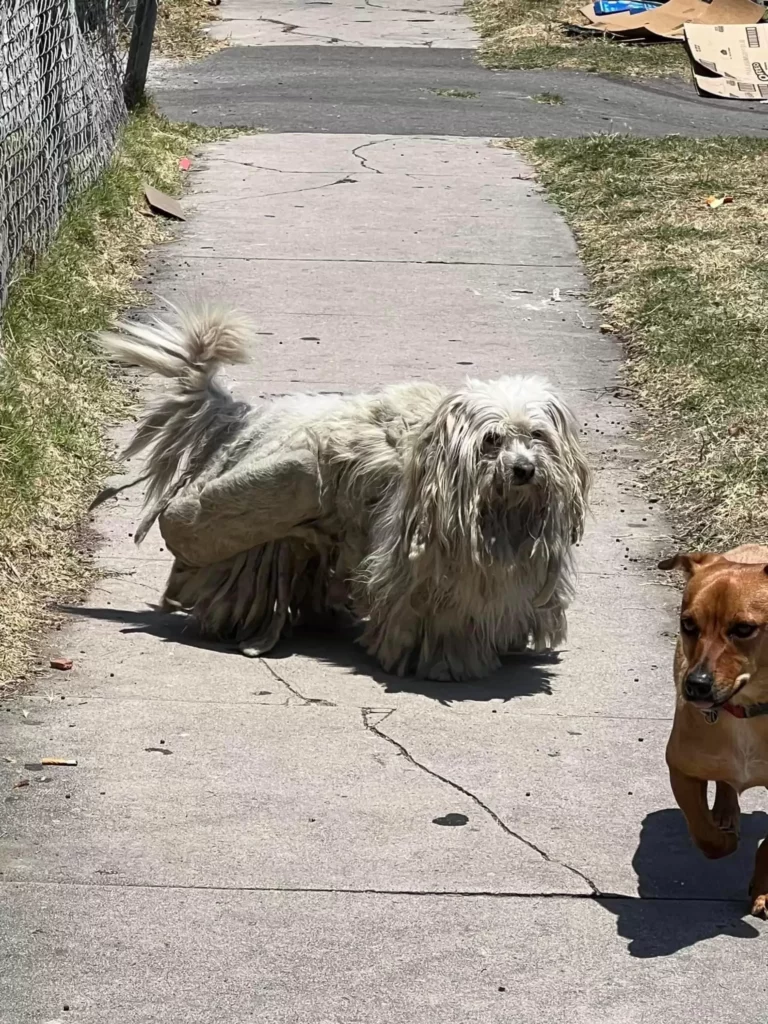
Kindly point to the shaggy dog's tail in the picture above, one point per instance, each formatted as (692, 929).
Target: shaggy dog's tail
(204, 339)
(186, 426)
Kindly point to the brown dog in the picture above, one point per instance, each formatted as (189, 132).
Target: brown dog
(720, 730)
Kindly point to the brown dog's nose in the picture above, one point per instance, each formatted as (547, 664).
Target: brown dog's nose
(698, 684)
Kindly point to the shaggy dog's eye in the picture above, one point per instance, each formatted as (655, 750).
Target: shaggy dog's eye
(492, 443)
(742, 630)
(538, 435)
(687, 625)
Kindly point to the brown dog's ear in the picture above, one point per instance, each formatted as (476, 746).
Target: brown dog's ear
(689, 563)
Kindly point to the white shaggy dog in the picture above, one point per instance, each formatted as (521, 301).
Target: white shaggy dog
(443, 520)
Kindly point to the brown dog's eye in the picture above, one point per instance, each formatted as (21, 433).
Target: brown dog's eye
(688, 626)
(742, 630)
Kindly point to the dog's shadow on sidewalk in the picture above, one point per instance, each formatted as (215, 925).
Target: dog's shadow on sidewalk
(685, 898)
(521, 675)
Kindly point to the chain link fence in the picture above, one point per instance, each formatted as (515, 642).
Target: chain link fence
(61, 105)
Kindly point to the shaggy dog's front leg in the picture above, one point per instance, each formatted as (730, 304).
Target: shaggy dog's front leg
(429, 645)
(548, 623)
(455, 622)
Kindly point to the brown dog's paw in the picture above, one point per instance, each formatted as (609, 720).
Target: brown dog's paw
(727, 819)
(760, 905)
(723, 845)
(726, 813)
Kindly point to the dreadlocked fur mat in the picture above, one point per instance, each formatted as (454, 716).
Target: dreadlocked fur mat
(443, 521)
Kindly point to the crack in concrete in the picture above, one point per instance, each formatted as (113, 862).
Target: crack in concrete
(374, 728)
(262, 167)
(346, 180)
(458, 9)
(365, 145)
(297, 29)
(306, 701)
(287, 26)
(425, 138)
(406, 174)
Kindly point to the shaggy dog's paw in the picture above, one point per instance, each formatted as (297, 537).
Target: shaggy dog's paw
(440, 673)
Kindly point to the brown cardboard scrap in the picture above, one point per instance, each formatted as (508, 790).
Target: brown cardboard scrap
(666, 22)
(661, 23)
(159, 202)
(730, 61)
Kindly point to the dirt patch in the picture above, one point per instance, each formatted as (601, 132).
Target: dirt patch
(180, 29)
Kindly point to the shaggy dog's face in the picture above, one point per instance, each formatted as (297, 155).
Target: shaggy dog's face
(495, 462)
(513, 456)
(522, 435)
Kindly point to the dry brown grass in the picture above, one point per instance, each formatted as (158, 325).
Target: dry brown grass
(685, 286)
(529, 34)
(180, 29)
(56, 392)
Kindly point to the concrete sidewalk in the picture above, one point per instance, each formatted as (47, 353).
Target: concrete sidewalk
(385, 23)
(257, 840)
(263, 840)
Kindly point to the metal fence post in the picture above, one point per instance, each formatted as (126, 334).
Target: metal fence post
(138, 55)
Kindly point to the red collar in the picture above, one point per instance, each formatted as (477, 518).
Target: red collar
(744, 710)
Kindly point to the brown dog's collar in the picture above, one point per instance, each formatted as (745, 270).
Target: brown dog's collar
(745, 710)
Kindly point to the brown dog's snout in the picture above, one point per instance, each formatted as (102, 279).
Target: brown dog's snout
(699, 684)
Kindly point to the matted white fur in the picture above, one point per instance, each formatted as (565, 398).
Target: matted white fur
(443, 520)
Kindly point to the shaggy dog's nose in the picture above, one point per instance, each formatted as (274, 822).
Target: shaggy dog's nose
(522, 471)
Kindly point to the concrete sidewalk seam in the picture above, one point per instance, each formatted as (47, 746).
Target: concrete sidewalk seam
(404, 263)
(587, 897)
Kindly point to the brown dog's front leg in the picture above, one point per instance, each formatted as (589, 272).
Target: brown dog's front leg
(726, 812)
(691, 796)
(758, 889)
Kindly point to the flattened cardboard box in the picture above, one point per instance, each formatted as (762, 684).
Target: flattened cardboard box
(729, 60)
(667, 21)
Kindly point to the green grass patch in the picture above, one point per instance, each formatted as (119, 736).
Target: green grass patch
(684, 286)
(550, 99)
(455, 94)
(56, 392)
(528, 34)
